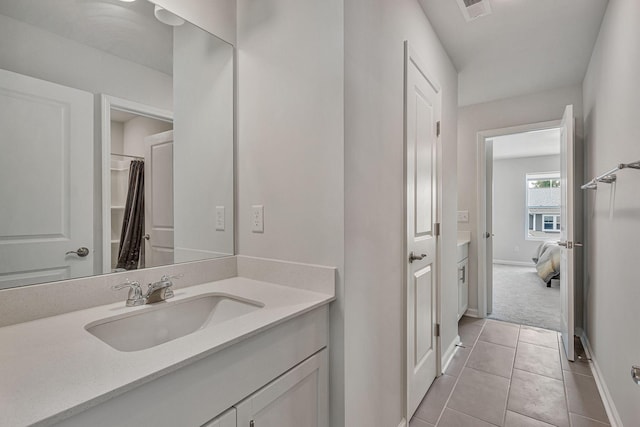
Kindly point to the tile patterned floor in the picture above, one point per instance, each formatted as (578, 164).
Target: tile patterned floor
(509, 375)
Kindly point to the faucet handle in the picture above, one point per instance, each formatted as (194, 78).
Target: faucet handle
(135, 292)
(167, 277)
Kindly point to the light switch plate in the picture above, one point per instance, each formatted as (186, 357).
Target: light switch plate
(463, 216)
(219, 218)
(257, 219)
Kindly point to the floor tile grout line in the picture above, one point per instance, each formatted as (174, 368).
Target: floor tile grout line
(528, 416)
(588, 418)
(564, 382)
(578, 373)
(460, 374)
(537, 373)
(513, 367)
(495, 343)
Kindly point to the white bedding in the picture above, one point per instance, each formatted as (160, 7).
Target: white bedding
(548, 261)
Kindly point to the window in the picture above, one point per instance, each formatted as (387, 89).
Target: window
(551, 222)
(543, 205)
(543, 183)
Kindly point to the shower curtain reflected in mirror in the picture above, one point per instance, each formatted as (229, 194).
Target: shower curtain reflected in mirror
(131, 252)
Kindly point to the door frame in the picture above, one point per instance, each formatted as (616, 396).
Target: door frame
(485, 289)
(103, 164)
(411, 55)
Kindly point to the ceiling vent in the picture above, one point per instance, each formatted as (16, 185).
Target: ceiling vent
(473, 9)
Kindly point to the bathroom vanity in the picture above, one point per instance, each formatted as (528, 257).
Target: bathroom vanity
(246, 348)
(463, 272)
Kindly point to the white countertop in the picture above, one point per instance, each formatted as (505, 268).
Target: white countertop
(463, 241)
(52, 368)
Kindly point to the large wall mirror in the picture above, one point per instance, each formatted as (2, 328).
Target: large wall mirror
(117, 140)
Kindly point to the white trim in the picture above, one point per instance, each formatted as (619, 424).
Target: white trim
(107, 102)
(607, 400)
(472, 312)
(518, 263)
(403, 423)
(481, 199)
(451, 351)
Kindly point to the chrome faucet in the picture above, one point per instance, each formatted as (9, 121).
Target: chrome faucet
(161, 291)
(135, 297)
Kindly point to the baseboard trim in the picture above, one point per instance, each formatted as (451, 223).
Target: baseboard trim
(472, 312)
(448, 355)
(403, 423)
(518, 263)
(607, 400)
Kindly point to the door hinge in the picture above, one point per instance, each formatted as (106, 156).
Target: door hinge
(438, 128)
(437, 329)
(251, 423)
(436, 229)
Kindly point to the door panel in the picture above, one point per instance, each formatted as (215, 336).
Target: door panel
(159, 249)
(422, 109)
(424, 290)
(567, 285)
(46, 171)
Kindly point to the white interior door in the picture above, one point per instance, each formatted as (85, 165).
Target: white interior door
(46, 181)
(567, 141)
(158, 194)
(422, 98)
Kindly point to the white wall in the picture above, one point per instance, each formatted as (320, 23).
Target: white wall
(135, 131)
(290, 143)
(117, 137)
(510, 220)
(522, 110)
(612, 131)
(28, 50)
(374, 235)
(203, 146)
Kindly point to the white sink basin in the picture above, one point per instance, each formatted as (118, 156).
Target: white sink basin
(167, 321)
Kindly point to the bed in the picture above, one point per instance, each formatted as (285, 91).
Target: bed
(547, 262)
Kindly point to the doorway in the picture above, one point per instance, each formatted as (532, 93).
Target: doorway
(535, 221)
(525, 217)
(129, 132)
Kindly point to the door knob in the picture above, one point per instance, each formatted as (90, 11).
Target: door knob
(487, 235)
(81, 252)
(147, 237)
(414, 257)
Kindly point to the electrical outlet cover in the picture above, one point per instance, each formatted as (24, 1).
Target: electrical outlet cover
(257, 219)
(219, 218)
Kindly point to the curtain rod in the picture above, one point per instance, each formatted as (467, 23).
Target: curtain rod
(127, 155)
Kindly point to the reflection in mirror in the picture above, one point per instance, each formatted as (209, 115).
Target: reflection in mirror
(117, 140)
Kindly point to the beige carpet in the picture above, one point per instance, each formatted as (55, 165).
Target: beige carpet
(520, 296)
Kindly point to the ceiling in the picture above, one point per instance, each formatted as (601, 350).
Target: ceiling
(523, 47)
(527, 144)
(127, 30)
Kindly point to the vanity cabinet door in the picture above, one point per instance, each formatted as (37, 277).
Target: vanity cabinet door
(463, 287)
(228, 419)
(298, 398)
